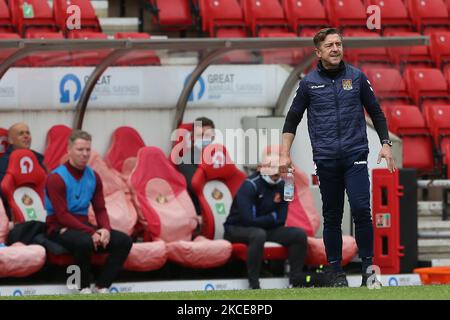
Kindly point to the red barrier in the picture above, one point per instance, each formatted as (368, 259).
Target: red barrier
(386, 220)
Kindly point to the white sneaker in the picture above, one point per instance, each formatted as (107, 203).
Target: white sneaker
(86, 291)
(101, 290)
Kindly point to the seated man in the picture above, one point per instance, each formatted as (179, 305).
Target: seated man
(258, 214)
(70, 189)
(19, 137)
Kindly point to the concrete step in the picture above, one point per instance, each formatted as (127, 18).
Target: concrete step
(440, 262)
(429, 209)
(434, 246)
(433, 256)
(433, 229)
(113, 25)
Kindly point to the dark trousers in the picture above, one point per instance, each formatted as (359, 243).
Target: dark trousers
(80, 245)
(335, 177)
(291, 237)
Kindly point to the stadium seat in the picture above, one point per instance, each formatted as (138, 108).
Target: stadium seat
(264, 16)
(18, 260)
(170, 214)
(173, 15)
(32, 15)
(373, 56)
(394, 15)
(140, 57)
(123, 150)
(290, 56)
(88, 19)
(219, 14)
(407, 122)
(346, 13)
(440, 49)
(89, 57)
(305, 14)
(5, 18)
(447, 76)
(49, 59)
(56, 146)
(144, 256)
(4, 142)
(437, 118)
(428, 15)
(23, 187)
(408, 55)
(426, 84)
(388, 85)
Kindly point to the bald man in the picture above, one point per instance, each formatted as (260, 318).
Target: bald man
(19, 137)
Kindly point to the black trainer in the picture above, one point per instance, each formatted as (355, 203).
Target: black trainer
(337, 279)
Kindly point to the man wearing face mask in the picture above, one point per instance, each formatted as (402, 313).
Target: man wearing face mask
(203, 135)
(258, 214)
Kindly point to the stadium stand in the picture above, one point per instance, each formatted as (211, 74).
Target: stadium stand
(89, 57)
(170, 214)
(172, 14)
(264, 17)
(32, 16)
(388, 85)
(48, 59)
(346, 14)
(89, 20)
(139, 58)
(5, 18)
(440, 49)
(407, 122)
(410, 55)
(369, 56)
(428, 15)
(394, 15)
(426, 85)
(305, 15)
(222, 16)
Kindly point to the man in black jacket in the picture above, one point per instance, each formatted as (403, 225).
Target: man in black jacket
(335, 95)
(258, 214)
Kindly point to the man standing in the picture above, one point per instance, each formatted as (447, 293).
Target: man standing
(70, 189)
(334, 94)
(19, 137)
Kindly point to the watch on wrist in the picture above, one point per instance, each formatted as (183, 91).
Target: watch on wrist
(387, 141)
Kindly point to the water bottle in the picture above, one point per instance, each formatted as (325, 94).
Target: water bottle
(289, 186)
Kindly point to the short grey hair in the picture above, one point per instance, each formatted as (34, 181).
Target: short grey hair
(79, 134)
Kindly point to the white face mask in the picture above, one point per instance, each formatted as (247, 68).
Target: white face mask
(269, 180)
(202, 143)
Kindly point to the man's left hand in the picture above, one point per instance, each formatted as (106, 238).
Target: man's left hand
(386, 153)
(104, 237)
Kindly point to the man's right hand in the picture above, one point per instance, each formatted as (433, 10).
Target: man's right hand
(96, 240)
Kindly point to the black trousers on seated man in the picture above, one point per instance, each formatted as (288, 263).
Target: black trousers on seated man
(80, 245)
(293, 238)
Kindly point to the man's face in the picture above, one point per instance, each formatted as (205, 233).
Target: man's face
(204, 133)
(331, 51)
(79, 153)
(20, 136)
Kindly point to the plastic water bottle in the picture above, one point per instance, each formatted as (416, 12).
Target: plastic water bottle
(289, 186)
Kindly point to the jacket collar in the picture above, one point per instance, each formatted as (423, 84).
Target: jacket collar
(331, 73)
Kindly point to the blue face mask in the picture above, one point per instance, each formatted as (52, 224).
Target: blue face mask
(269, 180)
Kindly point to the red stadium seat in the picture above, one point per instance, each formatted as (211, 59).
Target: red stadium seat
(171, 14)
(346, 13)
(428, 15)
(219, 14)
(410, 55)
(264, 16)
(305, 14)
(18, 260)
(4, 143)
(23, 187)
(32, 16)
(56, 146)
(438, 120)
(407, 122)
(426, 84)
(388, 85)
(6, 24)
(49, 59)
(89, 57)
(366, 56)
(123, 150)
(170, 214)
(394, 15)
(88, 19)
(140, 57)
(440, 48)
(281, 56)
(447, 76)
